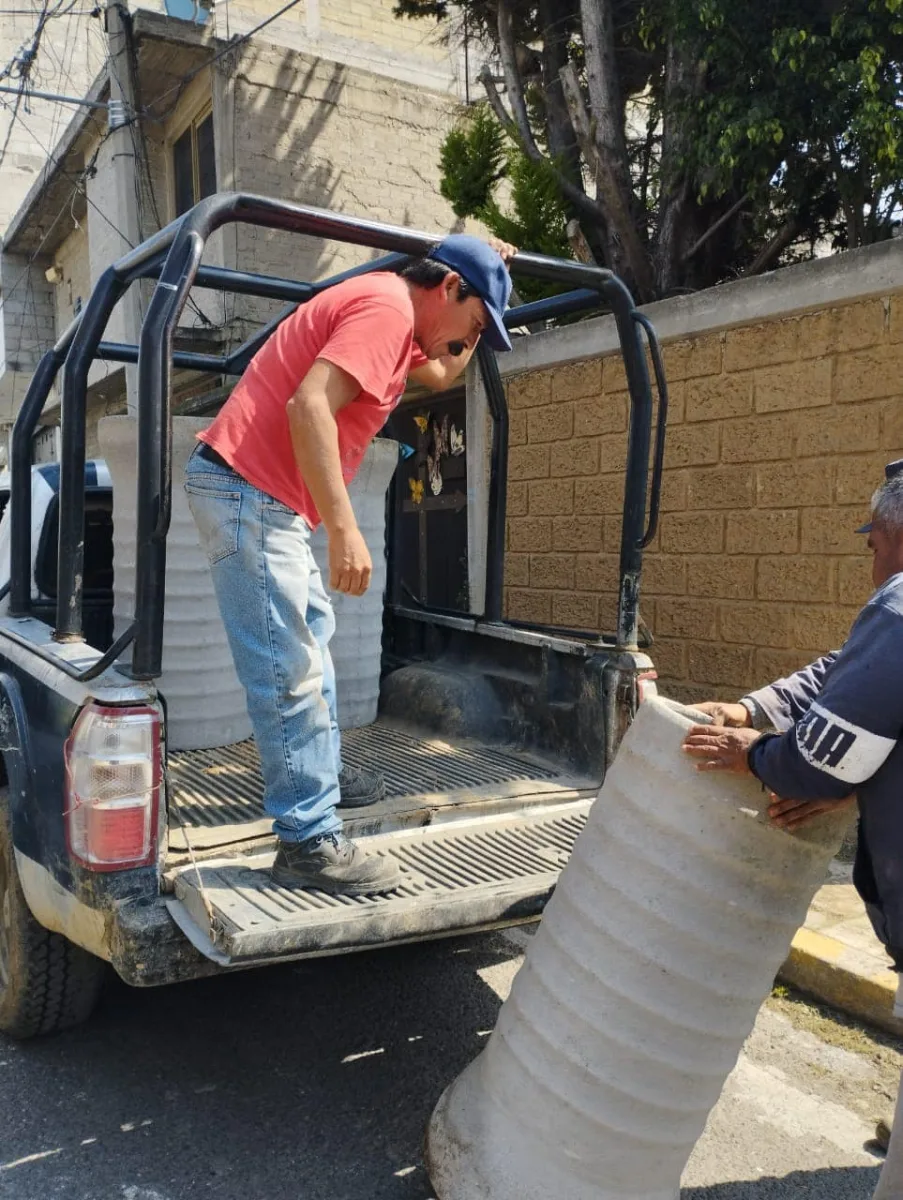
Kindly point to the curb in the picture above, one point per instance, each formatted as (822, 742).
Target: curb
(842, 977)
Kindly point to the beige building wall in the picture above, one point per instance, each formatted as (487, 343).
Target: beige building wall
(73, 269)
(778, 434)
(70, 54)
(360, 33)
(323, 134)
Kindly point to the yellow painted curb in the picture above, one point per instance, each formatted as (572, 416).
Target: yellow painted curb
(827, 970)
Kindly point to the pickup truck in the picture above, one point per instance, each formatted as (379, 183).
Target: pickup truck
(117, 850)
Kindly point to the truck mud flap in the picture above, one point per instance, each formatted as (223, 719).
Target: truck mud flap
(468, 875)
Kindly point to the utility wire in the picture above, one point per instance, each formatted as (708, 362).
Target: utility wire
(233, 45)
(24, 60)
(67, 204)
(30, 12)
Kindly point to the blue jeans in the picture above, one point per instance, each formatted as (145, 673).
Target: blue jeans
(279, 621)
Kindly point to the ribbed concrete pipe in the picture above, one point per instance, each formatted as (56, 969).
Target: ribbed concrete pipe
(660, 943)
(357, 644)
(890, 1182)
(205, 702)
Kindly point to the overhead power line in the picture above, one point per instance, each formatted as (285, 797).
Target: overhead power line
(239, 40)
(33, 95)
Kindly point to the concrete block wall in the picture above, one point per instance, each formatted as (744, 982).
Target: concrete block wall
(27, 326)
(324, 134)
(778, 434)
(360, 33)
(73, 263)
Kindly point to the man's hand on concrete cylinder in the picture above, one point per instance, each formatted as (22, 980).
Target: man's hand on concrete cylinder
(720, 748)
(736, 716)
(791, 814)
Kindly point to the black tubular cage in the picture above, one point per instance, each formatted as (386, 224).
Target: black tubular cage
(173, 258)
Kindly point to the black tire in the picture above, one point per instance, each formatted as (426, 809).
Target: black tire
(46, 983)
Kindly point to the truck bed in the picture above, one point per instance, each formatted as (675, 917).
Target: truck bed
(481, 834)
(215, 795)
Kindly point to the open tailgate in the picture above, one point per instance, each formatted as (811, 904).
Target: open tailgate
(460, 876)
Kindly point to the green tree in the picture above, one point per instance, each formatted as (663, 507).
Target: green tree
(691, 140)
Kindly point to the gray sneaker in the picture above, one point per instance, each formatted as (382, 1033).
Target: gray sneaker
(360, 788)
(333, 863)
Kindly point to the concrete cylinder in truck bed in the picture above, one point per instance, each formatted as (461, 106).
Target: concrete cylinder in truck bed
(205, 702)
(357, 644)
(660, 943)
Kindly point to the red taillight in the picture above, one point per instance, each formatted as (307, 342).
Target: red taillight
(646, 685)
(113, 784)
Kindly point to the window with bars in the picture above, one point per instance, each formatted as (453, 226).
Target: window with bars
(194, 163)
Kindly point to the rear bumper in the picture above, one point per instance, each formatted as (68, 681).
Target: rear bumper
(464, 877)
(148, 949)
(151, 950)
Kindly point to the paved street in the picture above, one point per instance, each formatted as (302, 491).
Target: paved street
(314, 1082)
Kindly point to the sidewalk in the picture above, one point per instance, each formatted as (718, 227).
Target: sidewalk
(836, 957)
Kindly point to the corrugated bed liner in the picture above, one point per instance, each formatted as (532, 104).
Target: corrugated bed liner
(215, 795)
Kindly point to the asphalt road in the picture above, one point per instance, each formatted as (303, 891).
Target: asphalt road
(315, 1082)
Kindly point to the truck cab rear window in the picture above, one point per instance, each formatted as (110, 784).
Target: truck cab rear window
(98, 546)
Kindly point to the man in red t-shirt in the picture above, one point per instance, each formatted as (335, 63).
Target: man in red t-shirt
(272, 466)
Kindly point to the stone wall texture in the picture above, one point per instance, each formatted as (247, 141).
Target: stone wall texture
(777, 439)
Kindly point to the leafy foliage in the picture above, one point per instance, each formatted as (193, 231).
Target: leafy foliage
(486, 175)
(749, 134)
(473, 159)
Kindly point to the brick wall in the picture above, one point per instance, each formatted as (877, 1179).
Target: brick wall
(778, 434)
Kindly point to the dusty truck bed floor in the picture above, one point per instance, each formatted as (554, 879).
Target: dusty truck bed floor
(473, 873)
(215, 795)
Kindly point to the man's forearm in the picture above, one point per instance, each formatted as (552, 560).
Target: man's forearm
(315, 441)
(786, 701)
(440, 373)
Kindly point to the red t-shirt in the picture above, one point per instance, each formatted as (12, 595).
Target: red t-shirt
(365, 326)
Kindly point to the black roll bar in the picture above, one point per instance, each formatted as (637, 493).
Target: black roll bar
(173, 256)
(498, 483)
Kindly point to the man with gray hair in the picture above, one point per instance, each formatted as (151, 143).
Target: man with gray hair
(838, 731)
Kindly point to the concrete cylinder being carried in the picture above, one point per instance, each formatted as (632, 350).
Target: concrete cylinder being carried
(205, 703)
(660, 943)
(357, 644)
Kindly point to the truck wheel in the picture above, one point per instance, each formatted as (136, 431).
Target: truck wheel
(46, 982)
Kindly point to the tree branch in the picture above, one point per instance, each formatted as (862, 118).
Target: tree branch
(495, 102)
(576, 195)
(623, 240)
(713, 229)
(578, 243)
(854, 236)
(558, 18)
(775, 248)
(678, 212)
(602, 76)
(513, 80)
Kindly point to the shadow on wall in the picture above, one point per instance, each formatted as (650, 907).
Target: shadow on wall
(831, 1183)
(321, 133)
(282, 150)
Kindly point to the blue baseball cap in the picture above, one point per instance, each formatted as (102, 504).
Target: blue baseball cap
(484, 269)
(890, 472)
